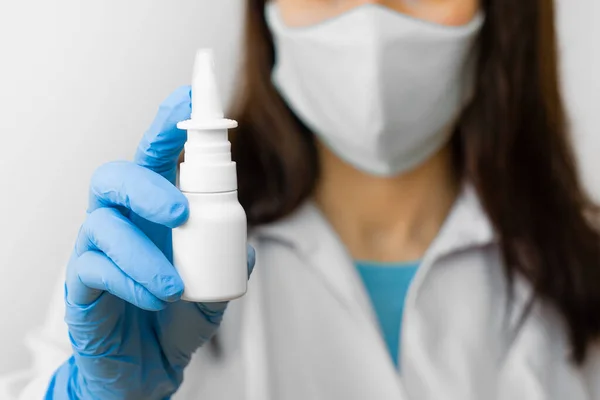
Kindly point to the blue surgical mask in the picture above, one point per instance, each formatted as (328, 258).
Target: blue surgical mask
(381, 89)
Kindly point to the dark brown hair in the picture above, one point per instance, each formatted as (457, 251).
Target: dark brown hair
(511, 143)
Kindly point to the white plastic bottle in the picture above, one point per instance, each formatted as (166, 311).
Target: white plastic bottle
(209, 250)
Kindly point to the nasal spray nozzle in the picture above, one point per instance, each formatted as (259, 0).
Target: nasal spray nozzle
(209, 250)
(206, 102)
(207, 164)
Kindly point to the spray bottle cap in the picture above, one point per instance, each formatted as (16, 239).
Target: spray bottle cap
(207, 166)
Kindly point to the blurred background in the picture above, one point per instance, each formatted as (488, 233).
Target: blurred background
(79, 83)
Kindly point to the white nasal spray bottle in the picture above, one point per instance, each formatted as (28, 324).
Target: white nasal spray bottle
(209, 250)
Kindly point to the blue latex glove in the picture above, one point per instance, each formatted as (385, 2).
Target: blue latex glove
(131, 336)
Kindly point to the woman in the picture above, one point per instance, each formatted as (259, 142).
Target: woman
(420, 228)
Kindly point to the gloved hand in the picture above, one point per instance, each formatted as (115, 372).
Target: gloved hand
(131, 336)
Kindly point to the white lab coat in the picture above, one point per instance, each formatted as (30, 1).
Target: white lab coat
(305, 330)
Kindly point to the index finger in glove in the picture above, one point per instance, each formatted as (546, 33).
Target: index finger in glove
(149, 195)
(162, 143)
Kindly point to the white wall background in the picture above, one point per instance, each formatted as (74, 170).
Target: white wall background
(580, 48)
(81, 80)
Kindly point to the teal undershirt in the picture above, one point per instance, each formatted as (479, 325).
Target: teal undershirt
(387, 285)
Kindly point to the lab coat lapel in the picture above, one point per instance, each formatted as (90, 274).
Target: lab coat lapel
(317, 244)
(467, 226)
(429, 322)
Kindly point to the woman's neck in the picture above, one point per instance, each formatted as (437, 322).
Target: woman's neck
(386, 219)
